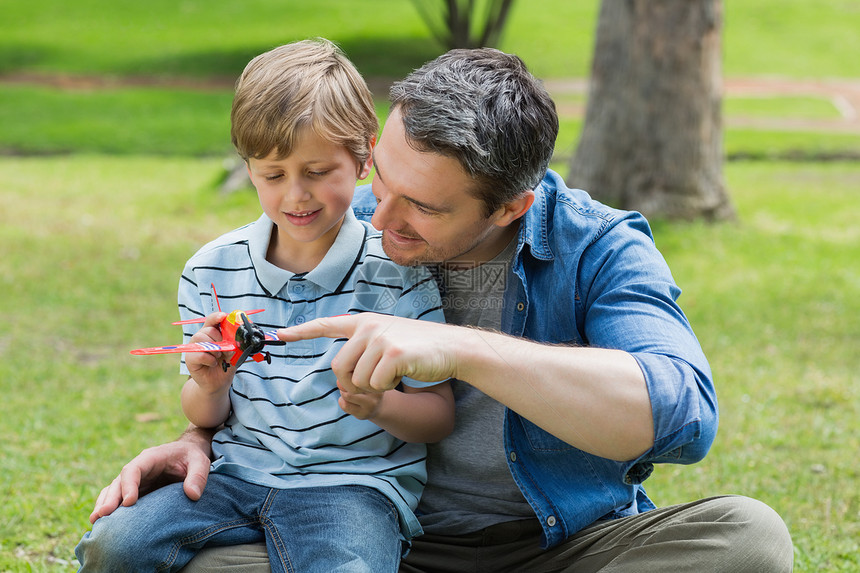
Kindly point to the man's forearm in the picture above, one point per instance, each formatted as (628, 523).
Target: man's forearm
(594, 399)
(202, 437)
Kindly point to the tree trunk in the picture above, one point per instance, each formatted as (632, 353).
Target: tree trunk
(652, 138)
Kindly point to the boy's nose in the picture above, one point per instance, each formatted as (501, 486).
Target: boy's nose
(296, 192)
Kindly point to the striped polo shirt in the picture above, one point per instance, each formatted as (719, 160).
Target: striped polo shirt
(286, 429)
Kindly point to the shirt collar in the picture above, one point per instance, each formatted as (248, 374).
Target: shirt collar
(331, 271)
(342, 255)
(534, 229)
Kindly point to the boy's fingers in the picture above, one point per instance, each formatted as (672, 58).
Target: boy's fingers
(215, 319)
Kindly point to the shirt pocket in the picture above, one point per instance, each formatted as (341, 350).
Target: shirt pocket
(542, 441)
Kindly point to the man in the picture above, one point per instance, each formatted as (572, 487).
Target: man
(575, 369)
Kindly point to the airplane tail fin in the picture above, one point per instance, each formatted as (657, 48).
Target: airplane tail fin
(215, 296)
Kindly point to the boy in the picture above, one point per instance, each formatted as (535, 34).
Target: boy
(329, 479)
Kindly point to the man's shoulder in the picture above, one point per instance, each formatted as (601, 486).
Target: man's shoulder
(580, 201)
(363, 202)
(568, 211)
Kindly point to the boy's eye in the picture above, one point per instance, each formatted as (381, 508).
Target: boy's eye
(317, 173)
(273, 177)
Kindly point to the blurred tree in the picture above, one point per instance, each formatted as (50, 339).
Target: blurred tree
(465, 23)
(652, 137)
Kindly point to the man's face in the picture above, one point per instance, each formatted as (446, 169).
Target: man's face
(425, 209)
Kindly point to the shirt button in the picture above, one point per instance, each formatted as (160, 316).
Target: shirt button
(300, 320)
(520, 306)
(550, 521)
(513, 456)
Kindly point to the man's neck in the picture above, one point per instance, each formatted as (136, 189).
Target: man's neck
(487, 250)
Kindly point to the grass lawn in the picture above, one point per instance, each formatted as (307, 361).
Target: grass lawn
(106, 192)
(92, 250)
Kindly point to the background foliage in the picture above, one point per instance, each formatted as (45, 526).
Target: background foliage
(113, 136)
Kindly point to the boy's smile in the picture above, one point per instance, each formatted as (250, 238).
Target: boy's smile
(300, 218)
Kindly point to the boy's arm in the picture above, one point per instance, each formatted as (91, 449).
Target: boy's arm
(422, 415)
(205, 408)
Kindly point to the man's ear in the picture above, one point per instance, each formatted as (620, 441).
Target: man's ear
(514, 209)
(365, 168)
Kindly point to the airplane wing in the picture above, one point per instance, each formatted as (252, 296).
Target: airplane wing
(223, 346)
(202, 319)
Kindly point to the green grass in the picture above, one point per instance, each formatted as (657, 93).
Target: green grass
(124, 121)
(92, 250)
(774, 300)
(793, 38)
(164, 40)
(199, 38)
(781, 107)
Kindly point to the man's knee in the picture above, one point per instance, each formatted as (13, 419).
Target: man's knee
(757, 537)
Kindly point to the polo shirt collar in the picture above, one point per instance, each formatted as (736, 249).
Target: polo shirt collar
(331, 271)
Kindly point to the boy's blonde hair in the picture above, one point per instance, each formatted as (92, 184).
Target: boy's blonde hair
(304, 84)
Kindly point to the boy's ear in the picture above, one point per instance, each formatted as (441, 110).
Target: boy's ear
(514, 209)
(364, 171)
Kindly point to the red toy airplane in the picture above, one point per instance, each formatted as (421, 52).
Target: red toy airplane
(240, 335)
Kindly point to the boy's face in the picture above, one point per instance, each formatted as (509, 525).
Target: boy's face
(425, 209)
(306, 195)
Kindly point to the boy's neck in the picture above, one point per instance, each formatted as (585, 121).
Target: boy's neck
(297, 257)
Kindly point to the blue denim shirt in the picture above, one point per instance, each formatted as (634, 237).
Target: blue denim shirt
(586, 274)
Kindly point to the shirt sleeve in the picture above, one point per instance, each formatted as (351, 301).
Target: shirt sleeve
(629, 298)
(190, 306)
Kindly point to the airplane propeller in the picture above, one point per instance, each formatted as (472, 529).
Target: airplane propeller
(251, 340)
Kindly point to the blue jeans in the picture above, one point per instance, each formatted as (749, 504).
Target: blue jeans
(342, 528)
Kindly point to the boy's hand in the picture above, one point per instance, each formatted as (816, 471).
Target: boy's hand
(362, 405)
(206, 367)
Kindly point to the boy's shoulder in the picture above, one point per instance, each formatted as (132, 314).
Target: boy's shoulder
(373, 253)
(239, 237)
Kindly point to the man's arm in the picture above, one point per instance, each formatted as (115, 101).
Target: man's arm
(186, 460)
(594, 399)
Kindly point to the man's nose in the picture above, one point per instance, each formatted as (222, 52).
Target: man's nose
(384, 216)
